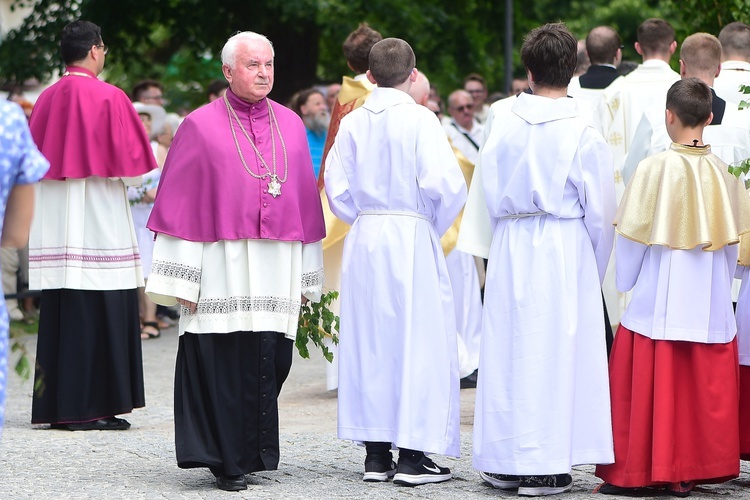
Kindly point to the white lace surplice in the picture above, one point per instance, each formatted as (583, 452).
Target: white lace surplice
(242, 285)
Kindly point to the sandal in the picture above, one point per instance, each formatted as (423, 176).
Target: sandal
(681, 489)
(154, 333)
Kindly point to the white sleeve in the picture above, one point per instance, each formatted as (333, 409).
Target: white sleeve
(312, 270)
(175, 271)
(628, 261)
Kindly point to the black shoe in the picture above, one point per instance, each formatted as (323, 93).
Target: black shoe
(379, 467)
(103, 424)
(231, 483)
(535, 486)
(470, 381)
(611, 489)
(501, 481)
(423, 471)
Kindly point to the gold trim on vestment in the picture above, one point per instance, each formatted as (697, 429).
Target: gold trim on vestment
(683, 198)
(450, 237)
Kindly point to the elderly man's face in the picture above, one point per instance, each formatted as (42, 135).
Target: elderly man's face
(251, 78)
(461, 109)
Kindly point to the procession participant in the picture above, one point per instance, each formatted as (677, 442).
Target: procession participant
(393, 176)
(546, 176)
(83, 252)
(735, 62)
(239, 224)
(673, 370)
(353, 93)
(22, 164)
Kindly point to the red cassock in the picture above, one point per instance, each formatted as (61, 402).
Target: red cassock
(675, 411)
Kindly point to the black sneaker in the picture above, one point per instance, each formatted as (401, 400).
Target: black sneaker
(535, 486)
(379, 468)
(423, 471)
(470, 381)
(501, 481)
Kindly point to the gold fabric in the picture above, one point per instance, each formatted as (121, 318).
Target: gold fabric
(449, 239)
(683, 198)
(352, 95)
(744, 255)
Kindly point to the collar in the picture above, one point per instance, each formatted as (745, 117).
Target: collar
(538, 109)
(735, 66)
(655, 64)
(238, 104)
(79, 69)
(386, 97)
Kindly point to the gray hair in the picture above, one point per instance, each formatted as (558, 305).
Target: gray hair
(228, 53)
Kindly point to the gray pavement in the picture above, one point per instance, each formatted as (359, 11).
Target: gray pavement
(39, 463)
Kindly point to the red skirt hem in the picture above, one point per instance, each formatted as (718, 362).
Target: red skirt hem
(675, 412)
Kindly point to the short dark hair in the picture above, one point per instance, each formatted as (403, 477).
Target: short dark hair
(655, 36)
(77, 38)
(300, 99)
(602, 44)
(735, 41)
(690, 99)
(143, 86)
(550, 53)
(391, 62)
(476, 77)
(216, 86)
(357, 46)
(701, 52)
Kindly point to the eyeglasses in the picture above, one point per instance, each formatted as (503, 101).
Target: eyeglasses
(475, 91)
(104, 48)
(467, 107)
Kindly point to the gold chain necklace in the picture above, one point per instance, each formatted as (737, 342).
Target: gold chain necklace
(274, 185)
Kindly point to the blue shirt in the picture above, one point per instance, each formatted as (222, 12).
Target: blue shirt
(316, 143)
(20, 163)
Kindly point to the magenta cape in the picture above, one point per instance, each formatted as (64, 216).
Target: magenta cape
(205, 194)
(86, 127)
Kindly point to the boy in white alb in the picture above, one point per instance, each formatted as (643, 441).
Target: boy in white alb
(545, 191)
(393, 176)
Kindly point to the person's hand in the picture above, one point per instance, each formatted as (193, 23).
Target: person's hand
(191, 306)
(149, 196)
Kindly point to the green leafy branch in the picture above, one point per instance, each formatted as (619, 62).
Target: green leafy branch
(316, 322)
(743, 167)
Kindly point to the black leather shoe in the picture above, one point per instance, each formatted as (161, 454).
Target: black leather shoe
(470, 381)
(231, 483)
(103, 424)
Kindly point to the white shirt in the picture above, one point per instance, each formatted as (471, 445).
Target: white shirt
(469, 146)
(732, 75)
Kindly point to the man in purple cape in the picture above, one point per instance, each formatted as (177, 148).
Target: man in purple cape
(83, 254)
(239, 226)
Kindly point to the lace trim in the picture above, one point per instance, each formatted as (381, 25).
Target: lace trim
(176, 270)
(229, 305)
(314, 278)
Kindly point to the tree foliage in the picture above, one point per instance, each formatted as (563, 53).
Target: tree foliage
(178, 41)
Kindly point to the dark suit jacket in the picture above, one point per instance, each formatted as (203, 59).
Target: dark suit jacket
(598, 77)
(718, 106)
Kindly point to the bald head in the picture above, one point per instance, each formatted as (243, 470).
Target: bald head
(700, 57)
(603, 45)
(420, 90)
(735, 42)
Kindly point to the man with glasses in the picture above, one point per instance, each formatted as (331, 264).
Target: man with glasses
(83, 254)
(464, 131)
(475, 85)
(149, 92)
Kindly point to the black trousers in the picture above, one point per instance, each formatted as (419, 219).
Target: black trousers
(225, 402)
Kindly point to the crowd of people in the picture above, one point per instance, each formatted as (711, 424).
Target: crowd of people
(492, 243)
